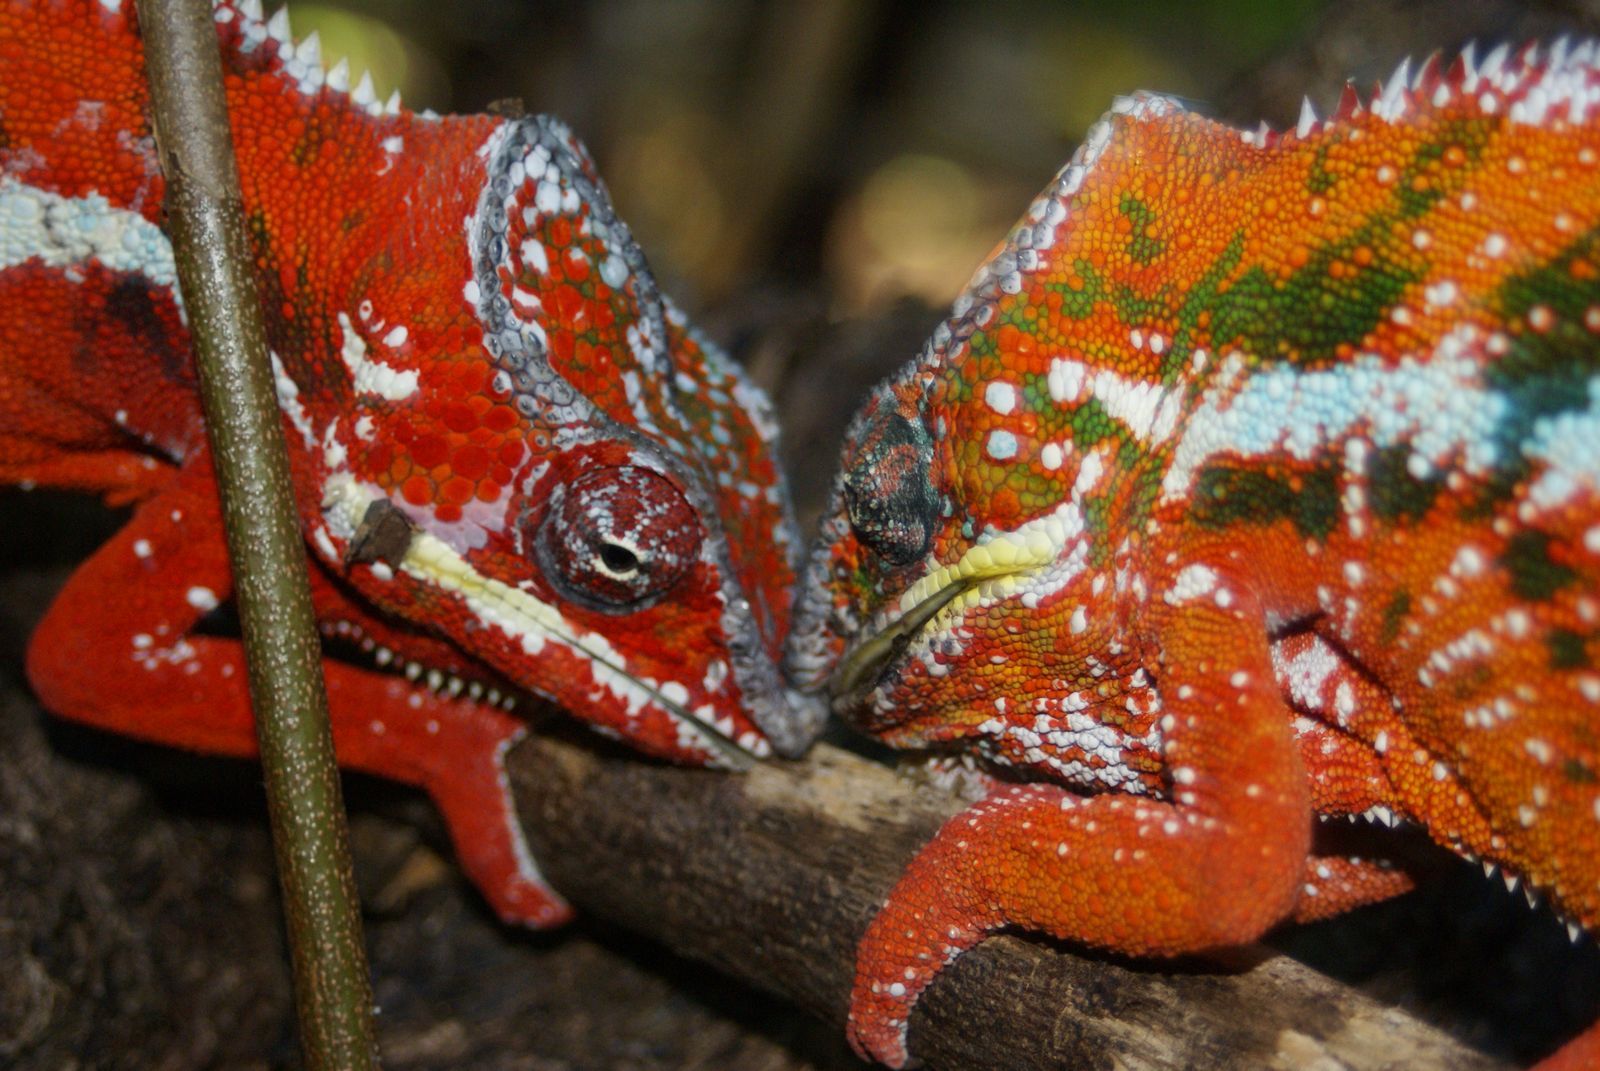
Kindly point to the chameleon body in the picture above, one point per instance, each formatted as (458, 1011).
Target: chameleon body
(517, 467)
(1255, 477)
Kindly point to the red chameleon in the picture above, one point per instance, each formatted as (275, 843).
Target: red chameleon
(517, 467)
(1255, 479)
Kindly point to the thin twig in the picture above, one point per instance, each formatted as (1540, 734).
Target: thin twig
(189, 113)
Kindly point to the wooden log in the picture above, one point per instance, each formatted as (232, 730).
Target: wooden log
(772, 876)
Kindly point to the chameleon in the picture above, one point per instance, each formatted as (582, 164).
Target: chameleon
(520, 471)
(1255, 479)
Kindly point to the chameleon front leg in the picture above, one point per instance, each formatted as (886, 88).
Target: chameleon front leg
(1213, 866)
(1361, 759)
(118, 650)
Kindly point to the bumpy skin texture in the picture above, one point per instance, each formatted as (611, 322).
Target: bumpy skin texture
(571, 493)
(1256, 477)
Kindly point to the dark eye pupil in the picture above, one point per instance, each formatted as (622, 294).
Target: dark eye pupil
(618, 559)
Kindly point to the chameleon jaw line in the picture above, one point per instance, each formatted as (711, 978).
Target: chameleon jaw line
(983, 571)
(518, 613)
(530, 620)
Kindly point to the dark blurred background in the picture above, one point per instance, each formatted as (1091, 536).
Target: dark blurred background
(875, 148)
(814, 182)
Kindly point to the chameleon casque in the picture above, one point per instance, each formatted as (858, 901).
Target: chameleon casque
(1255, 477)
(575, 493)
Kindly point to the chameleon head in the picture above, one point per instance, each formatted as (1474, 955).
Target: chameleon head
(944, 576)
(964, 582)
(588, 497)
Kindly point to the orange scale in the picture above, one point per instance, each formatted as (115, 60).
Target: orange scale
(448, 512)
(429, 451)
(488, 490)
(561, 346)
(470, 461)
(502, 418)
(459, 417)
(456, 490)
(1007, 506)
(512, 452)
(559, 232)
(417, 490)
(576, 265)
(568, 303)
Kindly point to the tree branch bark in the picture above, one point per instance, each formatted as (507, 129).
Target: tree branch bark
(772, 876)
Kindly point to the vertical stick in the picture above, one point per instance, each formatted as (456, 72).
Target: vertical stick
(189, 113)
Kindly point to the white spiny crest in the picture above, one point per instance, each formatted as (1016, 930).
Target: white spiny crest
(1308, 118)
(278, 26)
(1525, 87)
(1495, 61)
(364, 96)
(309, 51)
(1558, 51)
(303, 61)
(1390, 104)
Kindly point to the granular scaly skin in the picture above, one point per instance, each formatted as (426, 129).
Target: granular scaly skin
(517, 467)
(1255, 478)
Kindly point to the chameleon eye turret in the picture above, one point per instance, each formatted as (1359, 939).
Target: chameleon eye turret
(888, 488)
(618, 538)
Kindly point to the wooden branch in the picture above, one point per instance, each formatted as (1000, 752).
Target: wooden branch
(771, 877)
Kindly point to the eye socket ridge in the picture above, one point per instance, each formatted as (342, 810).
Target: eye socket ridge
(618, 538)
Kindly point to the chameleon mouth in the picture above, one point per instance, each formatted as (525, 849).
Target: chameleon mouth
(532, 622)
(984, 574)
(518, 613)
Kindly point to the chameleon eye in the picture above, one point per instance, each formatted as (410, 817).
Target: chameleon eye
(618, 538)
(889, 491)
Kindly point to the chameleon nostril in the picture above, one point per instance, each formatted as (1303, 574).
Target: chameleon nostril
(889, 491)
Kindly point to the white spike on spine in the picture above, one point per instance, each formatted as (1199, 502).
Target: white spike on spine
(363, 96)
(278, 26)
(339, 76)
(251, 9)
(392, 105)
(1391, 102)
(310, 50)
(1308, 118)
(1574, 932)
(1469, 61)
(1494, 62)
